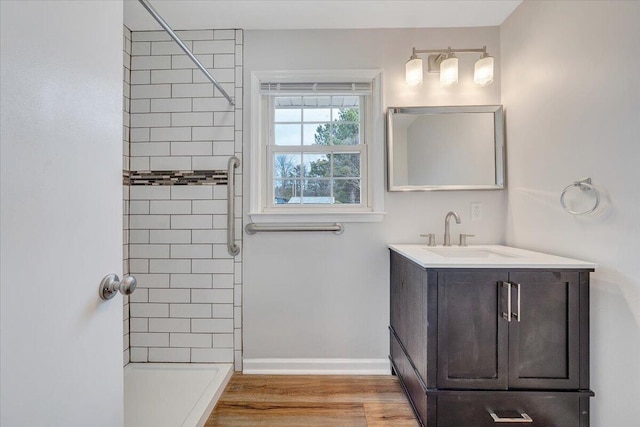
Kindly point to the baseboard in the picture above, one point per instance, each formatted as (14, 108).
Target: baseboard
(317, 366)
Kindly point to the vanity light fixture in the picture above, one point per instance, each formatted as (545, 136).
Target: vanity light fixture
(483, 70)
(449, 70)
(413, 70)
(445, 62)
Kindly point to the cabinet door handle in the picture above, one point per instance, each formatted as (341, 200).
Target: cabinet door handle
(517, 314)
(507, 315)
(523, 418)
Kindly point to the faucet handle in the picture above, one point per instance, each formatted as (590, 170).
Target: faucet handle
(432, 238)
(463, 238)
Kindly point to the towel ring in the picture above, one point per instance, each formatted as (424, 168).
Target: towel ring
(584, 185)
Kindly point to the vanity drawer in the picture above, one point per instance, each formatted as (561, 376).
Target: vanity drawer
(541, 409)
(409, 378)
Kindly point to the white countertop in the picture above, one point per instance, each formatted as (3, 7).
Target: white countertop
(491, 256)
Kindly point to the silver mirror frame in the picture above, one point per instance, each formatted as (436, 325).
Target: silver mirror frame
(498, 122)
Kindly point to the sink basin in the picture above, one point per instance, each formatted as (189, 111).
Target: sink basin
(468, 253)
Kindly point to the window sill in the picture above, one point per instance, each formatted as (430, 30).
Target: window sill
(314, 217)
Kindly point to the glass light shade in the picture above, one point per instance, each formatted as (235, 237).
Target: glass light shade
(483, 71)
(413, 72)
(449, 71)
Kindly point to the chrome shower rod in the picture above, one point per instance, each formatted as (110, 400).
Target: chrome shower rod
(186, 50)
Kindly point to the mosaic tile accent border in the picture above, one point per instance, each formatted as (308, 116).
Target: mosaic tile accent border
(197, 177)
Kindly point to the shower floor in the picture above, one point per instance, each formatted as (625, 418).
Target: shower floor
(172, 394)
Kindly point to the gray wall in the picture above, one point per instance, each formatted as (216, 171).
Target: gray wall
(326, 296)
(572, 95)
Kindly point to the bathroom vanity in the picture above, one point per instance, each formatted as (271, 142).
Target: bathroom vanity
(491, 334)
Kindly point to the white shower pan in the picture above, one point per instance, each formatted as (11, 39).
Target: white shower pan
(172, 394)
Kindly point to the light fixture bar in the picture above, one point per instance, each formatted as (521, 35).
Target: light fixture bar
(430, 51)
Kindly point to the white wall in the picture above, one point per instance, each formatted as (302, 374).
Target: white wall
(326, 296)
(572, 98)
(60, 213)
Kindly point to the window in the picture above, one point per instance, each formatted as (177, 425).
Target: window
(315, 141)
(316, 150)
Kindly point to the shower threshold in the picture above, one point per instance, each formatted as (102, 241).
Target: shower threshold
(172, 394)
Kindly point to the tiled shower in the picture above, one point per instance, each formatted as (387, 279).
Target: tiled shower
(180, 133)
(126, 118)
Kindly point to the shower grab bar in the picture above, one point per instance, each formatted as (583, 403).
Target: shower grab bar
(253, 228)
(186, 50)
(233, 249)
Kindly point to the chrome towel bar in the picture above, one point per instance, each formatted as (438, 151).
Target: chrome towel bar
(585, 185)
(253, 228)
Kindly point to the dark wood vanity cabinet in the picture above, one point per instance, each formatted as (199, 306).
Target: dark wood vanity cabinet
(465, 342)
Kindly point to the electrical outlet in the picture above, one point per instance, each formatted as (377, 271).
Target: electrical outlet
(476, 211)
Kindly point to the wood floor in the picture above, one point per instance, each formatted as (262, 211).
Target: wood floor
(305, 400)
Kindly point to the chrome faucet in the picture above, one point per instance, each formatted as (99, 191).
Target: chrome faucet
(447, 233)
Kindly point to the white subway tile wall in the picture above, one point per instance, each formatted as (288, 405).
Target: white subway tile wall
(126, 109)
(188, 304)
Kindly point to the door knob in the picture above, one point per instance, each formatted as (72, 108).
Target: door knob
(111, 284)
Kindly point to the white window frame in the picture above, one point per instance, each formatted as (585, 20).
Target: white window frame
(262, 209)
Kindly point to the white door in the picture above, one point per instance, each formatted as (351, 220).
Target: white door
(61, 213)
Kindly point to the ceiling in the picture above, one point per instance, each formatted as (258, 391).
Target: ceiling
(318, 14)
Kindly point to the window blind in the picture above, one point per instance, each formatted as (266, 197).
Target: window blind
(328, 88)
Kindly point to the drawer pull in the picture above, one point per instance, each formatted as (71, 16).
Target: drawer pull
(510, 417)
(507, 315)
(517, 315)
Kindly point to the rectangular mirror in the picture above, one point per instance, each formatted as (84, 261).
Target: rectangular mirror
(445, 148)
